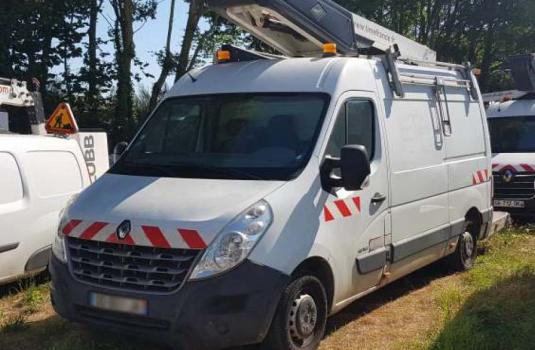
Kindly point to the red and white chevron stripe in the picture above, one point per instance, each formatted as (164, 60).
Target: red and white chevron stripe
(341, 209)
(520, 168)
(480, 177)
(142, 235)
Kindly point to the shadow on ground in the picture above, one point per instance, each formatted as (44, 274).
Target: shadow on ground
(18, 286)
(393, 291)
(499, 317)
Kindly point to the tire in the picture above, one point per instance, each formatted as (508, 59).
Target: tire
(466, 253)
(301, 316)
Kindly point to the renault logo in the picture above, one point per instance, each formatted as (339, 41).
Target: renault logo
(508, 176)
(123, 230)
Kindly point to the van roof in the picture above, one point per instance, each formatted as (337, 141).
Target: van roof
(26, 143)
(514, 108)
(270, 75)
(325, 75)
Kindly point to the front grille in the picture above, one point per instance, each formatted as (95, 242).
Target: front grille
(522, 186)
(129, 267)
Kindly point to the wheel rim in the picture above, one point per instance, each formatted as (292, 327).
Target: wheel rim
(303, 320)
(468, 246)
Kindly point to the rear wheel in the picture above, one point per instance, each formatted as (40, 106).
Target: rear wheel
(301, 316)
(465, 255)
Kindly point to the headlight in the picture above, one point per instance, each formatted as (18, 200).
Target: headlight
(235, 242)
(58, 247)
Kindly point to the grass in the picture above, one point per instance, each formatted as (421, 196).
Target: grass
(490, 307)
(34, 298)
(13, 324)
(495, 306)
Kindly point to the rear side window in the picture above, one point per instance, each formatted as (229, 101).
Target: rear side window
(10, 180)
(354, 126)
(55, 173)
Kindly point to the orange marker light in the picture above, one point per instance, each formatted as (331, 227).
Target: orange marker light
(223, 56)
(329, 49)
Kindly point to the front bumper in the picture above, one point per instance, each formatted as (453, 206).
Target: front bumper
(233, 309)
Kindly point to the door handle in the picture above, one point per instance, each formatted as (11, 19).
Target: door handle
(378, 198)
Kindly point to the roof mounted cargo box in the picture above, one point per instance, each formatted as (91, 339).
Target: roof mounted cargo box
(523, 71)
(300, 28)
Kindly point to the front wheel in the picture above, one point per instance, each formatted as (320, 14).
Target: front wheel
(301, 316)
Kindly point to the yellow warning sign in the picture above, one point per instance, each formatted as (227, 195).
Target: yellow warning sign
(62, 121)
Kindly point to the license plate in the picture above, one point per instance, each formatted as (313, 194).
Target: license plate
(509, 204)
(119, 304)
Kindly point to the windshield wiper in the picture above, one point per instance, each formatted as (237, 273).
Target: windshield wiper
(150, 168)
(234, 173)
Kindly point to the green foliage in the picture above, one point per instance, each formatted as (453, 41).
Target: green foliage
(33, 299)
(41, 39)
(484, 32)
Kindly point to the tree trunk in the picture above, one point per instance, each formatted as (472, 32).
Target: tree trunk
(196, 8)
(125, 53)
(92, 93)
(167, 64)
(488, 56)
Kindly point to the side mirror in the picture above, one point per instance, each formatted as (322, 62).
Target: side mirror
(355, 167)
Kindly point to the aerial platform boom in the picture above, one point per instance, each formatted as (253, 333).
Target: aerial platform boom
(301, 27)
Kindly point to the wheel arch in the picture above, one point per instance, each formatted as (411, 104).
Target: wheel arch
(475, 216)
(320, 268)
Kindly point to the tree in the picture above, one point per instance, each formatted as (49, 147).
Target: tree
(167, 61)
(123, 32)
(91, 59)
(126, 13)
(196, 11)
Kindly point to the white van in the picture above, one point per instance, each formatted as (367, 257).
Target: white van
(512, 128)
(264, 195)
(39, 175)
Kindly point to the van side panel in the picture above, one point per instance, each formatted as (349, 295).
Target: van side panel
(419, 179)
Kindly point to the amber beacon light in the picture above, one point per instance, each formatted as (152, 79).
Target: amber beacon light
(223, 56)
(329, 49)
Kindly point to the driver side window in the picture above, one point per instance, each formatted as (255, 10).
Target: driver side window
(355, 125)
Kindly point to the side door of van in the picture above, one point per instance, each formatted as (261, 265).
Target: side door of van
(359, 217)
(419, 180)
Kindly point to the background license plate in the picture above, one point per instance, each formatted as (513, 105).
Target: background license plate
(509, 204)
(119, 304)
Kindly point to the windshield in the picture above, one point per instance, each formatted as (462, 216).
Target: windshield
(231, 136)
(512, 134)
